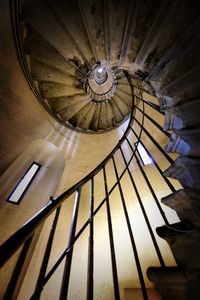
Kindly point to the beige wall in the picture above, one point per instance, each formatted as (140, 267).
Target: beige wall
(44, 185)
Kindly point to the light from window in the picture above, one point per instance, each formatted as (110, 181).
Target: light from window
(22, 186)
(146, 160)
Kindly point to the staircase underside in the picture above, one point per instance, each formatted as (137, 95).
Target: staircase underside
(64, 54)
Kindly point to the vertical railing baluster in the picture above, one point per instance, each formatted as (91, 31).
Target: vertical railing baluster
(40, 282)
(151, 104)
(170, 160)
(155, 163)
(157, 125)
(148, 183)
(68, 262)
(144, 213)
(112, 246)
(17, 270)
(137, 261)
(90, 279)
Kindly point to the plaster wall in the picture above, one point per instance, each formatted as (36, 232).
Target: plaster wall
(44, 185)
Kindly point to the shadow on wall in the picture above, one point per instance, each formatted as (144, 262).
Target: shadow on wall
(43, 186)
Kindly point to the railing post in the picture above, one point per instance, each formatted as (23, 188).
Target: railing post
(144, 214)
(40, 281)
(137, 261)
(148, 183)
(155, 163)
(112, 247)
(68, 262)
(17, 269)
(170, 160)
(90, 279)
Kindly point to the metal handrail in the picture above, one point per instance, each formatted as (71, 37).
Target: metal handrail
(11, 245)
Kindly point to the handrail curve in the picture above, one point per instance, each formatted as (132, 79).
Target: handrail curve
(10, 246)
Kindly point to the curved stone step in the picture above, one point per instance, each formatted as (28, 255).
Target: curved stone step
(62, 103)
(70, 16)
(175, 283)
(125, 98)
(95, 120)
(119, 74)
(123, 107)
(186, 203)
(42, 72)
(185, 169)
(85, 122)
(174, 232)
(177, 145)
(124, 87)
(110, 116)
(71, 110)
(59, 39)
(184, 115)
(80, 115)
(172, 121)
(184, 243)
(192, 138)
(123, 81)
(38, 48)
(117, 113)
(52, 90)
(103, 117)
(186, 86)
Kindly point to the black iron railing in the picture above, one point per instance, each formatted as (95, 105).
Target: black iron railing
(24, 235)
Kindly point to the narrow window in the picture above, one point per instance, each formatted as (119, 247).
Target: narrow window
(20, 189)
(146, 160)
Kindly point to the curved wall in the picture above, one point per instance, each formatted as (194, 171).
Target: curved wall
(43, 186)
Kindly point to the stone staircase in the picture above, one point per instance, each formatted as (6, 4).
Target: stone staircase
(158, 43)
(74, 98)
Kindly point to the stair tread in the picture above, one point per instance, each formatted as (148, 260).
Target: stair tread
(43, 72)
(59, 39)
(117, 113)
(95, 120)
(85, 122)
(35, 45)
(79, 116)
(70, 111)
(124, 109)
(52, 90)
(110, 116)
(61, 103)
(124, 98)
(103, 117)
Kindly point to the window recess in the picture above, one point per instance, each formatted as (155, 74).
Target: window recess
(22, 186)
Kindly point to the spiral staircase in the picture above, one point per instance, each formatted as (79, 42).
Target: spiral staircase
(83, 92)
(83, 98)
(92, 65)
